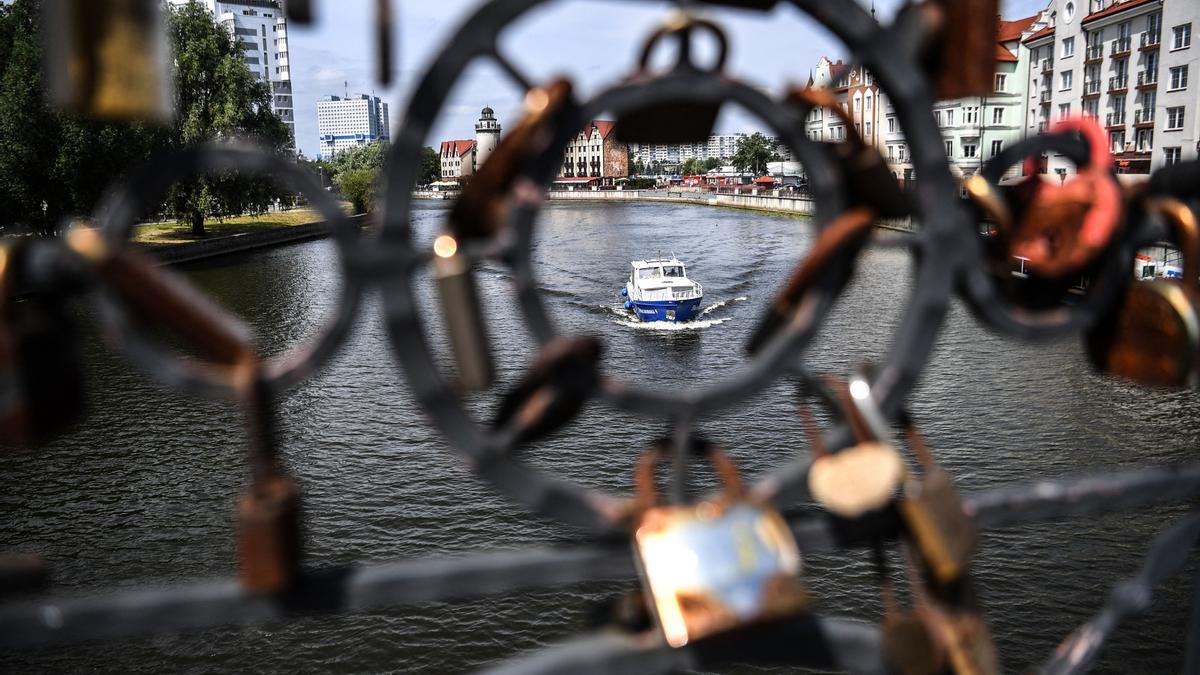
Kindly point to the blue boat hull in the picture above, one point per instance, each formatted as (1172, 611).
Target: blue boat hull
(666, 310)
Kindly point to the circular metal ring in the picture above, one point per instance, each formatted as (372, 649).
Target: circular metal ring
(117, 217)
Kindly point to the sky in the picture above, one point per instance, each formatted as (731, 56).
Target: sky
(593, 42)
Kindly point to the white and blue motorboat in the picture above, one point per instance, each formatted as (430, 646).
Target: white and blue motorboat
(659, 290)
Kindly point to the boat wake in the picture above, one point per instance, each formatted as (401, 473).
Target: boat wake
(705, 319)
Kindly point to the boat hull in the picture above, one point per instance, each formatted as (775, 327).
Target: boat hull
(666, 310)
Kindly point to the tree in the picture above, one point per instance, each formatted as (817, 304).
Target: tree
(373, 155)
(217, 96)
(691, 166)
(713, 163)
(430, 168)
(753, 153)
(358, 186)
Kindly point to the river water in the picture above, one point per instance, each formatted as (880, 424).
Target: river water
(142, 493)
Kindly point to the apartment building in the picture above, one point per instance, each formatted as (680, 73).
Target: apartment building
(1128, 63)
(260, 27)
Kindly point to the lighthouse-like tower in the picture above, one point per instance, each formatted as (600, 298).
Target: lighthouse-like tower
(487, 135)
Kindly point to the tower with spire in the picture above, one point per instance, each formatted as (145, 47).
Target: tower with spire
(487, 135)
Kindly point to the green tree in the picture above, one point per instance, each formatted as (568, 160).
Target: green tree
(713, 163)
(753, 153)
(358, 187)
(430, 168)
(691, 166)
(370, 156)
(217, 97)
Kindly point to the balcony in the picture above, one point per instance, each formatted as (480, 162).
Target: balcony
(1121, 47)
(1091, 88)
(1044, 98)
(1093, 54)
(1043, 126)
(1115, 120)
(1143, 117)
(1150, 41)
(1047, 66)
(1119, 84)
(1147, 79)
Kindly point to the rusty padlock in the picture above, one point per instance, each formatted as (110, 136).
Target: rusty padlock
(1060, 230)
(961, 631)
(674, 121)
(1153, 336)
(962, 46)
(554, 389)
(908, 642)
(268, 534)
(41, 373)
(862, 478)
(108, 58)
(717, 565)
(864, 171)
(843, 238)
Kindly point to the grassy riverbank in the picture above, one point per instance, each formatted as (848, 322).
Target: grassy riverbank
(172, 233)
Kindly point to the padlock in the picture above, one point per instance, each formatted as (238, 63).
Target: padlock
(673, 122)
(268, 534)
(41, 373)
(463, 315)
(717, 565)
(481, 209)
(553, 391)
(961, 630)
(862, 478)
(943, 532)
(1153, 336)
(1060, 230)
(908, 645)
(962, 50)
(21, 572)
(864, 171)
(108, 58)
(383, 41)
(843, 237)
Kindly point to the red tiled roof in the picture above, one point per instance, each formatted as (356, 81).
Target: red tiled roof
(457, 148)
(1045, 32)
(1011, 30)
(1004, 56)
(605, 128)
(1118, 7)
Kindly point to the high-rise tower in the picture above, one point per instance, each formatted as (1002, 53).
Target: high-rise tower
(487, 135)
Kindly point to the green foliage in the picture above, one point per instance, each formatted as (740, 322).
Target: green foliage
(713, 163)
(691, 166)
(753, 153)
(430, 168)
(358, 187)
(641, 183)
(370, 156)
(217, 97)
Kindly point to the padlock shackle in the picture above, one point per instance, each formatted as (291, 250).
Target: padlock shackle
(1183, 223)
(681, 26)
(645, 496)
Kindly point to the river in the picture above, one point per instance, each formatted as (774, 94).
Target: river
(143, 491)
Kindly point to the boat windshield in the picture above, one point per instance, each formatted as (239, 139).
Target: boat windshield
(650, 273)
(673, 271)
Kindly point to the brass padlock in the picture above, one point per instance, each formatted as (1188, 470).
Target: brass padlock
(864, 172)
(1060, 230)
(959, 627)
(41, 374)
(1153, 336)
(554, 389)
(843, 237)
(108, 58)
(673, 122)
(716, 565)
(908, 643)
(268, 535)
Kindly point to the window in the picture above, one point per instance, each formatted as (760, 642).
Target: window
(1179, 78)
(1145, 140)
(1175, 119)
(868, 130)
(1001, 82)
(1182, 36)
(1172, 155)
(1091, 108)
(1068, 47)
(891, 125)
(1066, 78)
(937, 117)
(1124, 30)
(950, 118)
(891, 153)
(997, 115)
(1118, 141)
(971, 115)
(1064, 111)
(997, 147)
(949, 148)
(869, 100)
(903, 149)
(970, 150)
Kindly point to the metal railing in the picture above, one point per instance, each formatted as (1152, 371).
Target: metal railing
(1121, 46)
(1151, 39)
(1091, 87)
(1093, 53)
(494, 220)
(1143, 116)
(1118, 83)
(1114, 119)
(1147, 77)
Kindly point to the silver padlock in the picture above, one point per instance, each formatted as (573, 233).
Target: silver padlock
(714, 566)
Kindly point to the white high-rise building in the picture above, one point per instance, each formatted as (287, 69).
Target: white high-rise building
(261, 28)
(343, 123)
